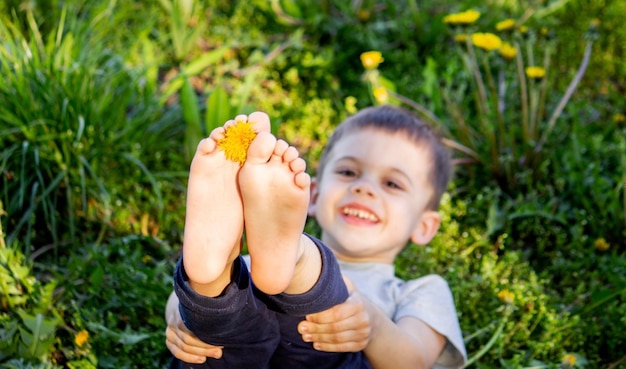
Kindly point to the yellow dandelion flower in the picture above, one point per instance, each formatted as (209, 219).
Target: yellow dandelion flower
(463, 18)
(487, 41)
(237, 139)
(505, 25)
(364, 15)
(460, 38)
(523, 29)
(619, 118)
(371, 59)
(508, 51)
(506, 296)
(601, 245)
(146, 259)
(535, 72)
(81, 338)
(381, 95)
(568, 360)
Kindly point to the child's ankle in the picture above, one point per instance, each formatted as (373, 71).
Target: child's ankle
(308, 267)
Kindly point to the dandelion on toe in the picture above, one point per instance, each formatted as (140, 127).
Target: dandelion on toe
(237, 138)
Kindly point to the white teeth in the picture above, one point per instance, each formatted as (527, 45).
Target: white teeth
(362, 214)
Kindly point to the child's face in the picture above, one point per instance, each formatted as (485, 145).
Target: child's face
(372, 195)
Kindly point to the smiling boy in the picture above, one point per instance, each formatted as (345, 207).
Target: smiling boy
(379, 183)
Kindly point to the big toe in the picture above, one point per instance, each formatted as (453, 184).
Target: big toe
(260, 121)
(261, 148)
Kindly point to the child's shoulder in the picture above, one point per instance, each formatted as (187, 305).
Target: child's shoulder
(433, 280)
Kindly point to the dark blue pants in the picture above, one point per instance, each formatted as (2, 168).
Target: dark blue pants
(258, 330)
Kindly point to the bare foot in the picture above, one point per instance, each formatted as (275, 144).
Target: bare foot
(214, 214)
(275, 191)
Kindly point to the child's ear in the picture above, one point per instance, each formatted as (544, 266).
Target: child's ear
(314, 195)
(426, 228)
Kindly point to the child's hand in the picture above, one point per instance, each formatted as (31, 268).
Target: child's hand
(183, 344)
(342, 328)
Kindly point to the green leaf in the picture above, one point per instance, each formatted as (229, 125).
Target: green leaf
(97, 276)
(38, 338)
(218, 109)
(191, 116)
(38, 324)
(210, 58)
(126, 338)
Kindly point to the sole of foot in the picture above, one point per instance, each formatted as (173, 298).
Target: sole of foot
(275, 190)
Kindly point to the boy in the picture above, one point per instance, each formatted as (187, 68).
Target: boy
(379, 183)
(264, 189)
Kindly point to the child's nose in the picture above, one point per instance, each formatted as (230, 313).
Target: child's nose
(363, 187)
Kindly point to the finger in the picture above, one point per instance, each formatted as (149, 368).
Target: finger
(340, 347)
(338, 338)
(189, 345)
(174, 345)
(336, 313)
(332, 327)
(187, 338)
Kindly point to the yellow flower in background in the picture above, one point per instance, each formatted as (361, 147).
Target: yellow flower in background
(371, 59)
(487, 41)
(568, 360)
(381, 95)
(535, 72)
(508, 51)
(81, 338)
(601, 245)
(619, 118)
(364, 15)
(146, 259)
(506, 296)
(505, 25)
(523, 29)
(544, 31)
(461, 37)
(237, 139)
(350, 104)
(466, 17)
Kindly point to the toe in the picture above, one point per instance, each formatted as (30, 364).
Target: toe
(261, 148)
(260, 121)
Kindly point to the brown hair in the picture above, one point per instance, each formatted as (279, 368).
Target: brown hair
(393, 119)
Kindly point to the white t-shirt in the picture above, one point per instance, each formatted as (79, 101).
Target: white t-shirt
(427, 298)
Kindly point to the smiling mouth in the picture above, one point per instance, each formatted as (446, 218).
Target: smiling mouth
(360, 214)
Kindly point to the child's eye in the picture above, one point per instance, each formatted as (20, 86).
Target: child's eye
(393, 184)
(346, 172)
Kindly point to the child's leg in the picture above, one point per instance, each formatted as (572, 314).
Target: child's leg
(217, 301)
(329, 291)
(214, 214)
(275, 189)
(236, 320)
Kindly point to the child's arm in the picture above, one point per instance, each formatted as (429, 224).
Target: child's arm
(181, 342)
(409, 343)
(358, 324)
